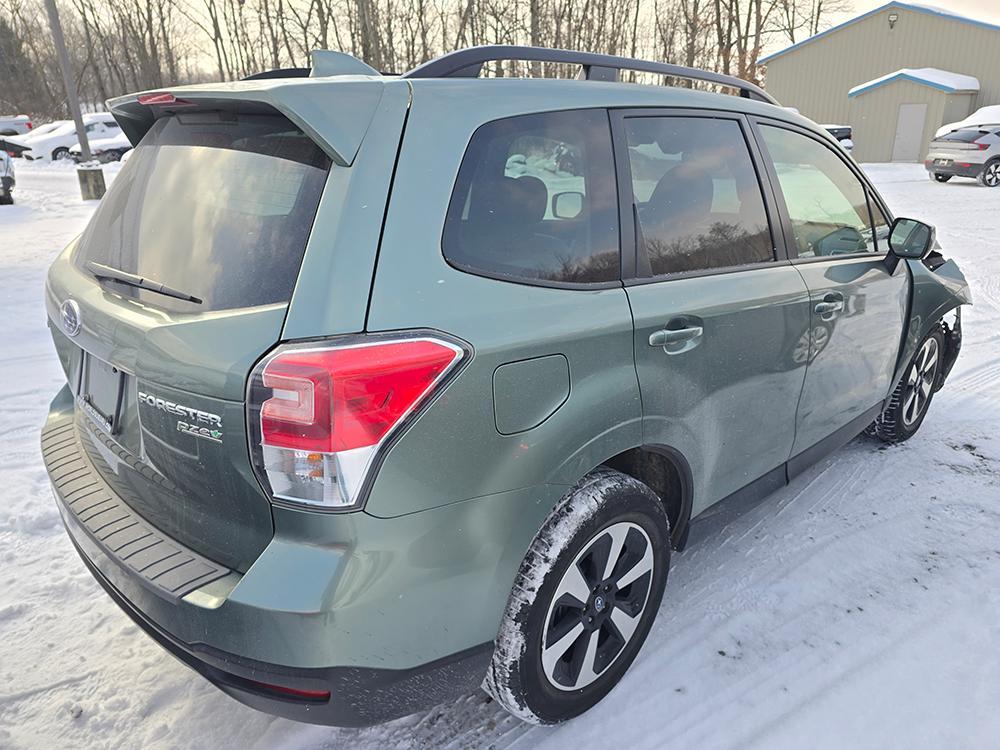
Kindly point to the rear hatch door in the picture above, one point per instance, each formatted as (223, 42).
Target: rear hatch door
(180, 283)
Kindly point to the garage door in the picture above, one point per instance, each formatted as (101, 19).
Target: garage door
(909, 132)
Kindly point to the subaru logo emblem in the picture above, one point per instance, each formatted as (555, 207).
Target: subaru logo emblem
(69, 312)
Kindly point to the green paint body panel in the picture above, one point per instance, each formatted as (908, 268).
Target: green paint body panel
(727, 404)
(528, 392)
(556, 382)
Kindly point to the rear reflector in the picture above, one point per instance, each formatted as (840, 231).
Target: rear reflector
(321, 413)
(306, 695)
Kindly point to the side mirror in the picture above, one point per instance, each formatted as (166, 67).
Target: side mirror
(909, 238)
(567, 205)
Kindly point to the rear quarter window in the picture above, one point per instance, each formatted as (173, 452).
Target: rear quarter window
(535, 201)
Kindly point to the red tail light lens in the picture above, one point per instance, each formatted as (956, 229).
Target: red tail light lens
(324, 412)
(162, 97)
(31, 125)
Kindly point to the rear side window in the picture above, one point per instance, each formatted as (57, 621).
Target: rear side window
(535, 201)
(216, 205)
(697, 194)
(827, 203)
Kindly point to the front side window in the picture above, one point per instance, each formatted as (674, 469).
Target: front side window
(697, 194)
(535, 200)
(827, 203)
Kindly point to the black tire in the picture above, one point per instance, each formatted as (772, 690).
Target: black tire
(581, 532)
(60, 153)
(6, 199)
(903, 417)
(938, 177)
(990, 176)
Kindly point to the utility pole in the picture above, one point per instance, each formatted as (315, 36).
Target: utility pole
(91, 179)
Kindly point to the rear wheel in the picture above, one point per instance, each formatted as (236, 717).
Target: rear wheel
(990, 176)
(909, 402)
(938, 177)
(584, 600)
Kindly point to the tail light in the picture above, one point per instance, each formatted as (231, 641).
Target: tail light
(319, 415)
(30, 125)
(982, 146)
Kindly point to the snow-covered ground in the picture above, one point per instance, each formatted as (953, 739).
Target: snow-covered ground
(858, 607)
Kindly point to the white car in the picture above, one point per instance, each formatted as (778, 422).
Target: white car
(39, 130)
(14, 124)
(104, 149)
(55, 145)
(982, 117)
(6, 179)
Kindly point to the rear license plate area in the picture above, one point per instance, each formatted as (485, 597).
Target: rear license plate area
(101, 391)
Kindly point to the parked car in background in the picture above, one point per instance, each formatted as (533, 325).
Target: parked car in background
(6, 179)
(38, 131)
(10, 145)
(104, 149)
(967, 152)
(984, 117)
(55, 144)
(843, 133)
(15, 124)
(537, 326)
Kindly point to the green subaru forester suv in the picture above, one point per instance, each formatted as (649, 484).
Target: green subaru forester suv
(383, 388)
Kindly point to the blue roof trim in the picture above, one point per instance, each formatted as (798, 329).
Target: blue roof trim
(903, 6)
(905, 77)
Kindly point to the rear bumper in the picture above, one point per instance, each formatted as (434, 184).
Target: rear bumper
(323, 627)
(357, 697)
(955, 169)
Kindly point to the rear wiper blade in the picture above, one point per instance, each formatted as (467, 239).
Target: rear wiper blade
(102, 271)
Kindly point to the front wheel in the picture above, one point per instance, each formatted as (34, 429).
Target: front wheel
(909, 402)
(584, 600)
(60, 153)
(990, 176)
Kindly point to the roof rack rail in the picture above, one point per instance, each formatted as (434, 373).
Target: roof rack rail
(468, 63)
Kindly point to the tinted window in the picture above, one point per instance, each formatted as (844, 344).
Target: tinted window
(827, 203)
(535, 200)
(216, 206)
(963, 136)
(697, 194)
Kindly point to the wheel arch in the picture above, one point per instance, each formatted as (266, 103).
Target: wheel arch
(934, 294)
(666, 471)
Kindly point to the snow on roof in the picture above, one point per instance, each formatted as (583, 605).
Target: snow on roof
(989, 115)
(916, 7)
(933, 77)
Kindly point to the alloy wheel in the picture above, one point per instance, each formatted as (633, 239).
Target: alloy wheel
(920, 382)
(991, 176)
(597, 606)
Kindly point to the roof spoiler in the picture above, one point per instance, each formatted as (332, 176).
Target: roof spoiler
(335, 115)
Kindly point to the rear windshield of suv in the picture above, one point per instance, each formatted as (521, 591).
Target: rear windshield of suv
(963, 136)
(215, 205)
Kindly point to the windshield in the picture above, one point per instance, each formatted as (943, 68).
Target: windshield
(964, 136)
(216, 205)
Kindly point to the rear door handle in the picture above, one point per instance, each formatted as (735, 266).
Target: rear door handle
(667, 336)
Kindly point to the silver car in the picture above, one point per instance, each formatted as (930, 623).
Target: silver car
(966, 152)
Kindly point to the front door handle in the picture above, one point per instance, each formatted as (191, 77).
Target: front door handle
(825, 308)
(832, 303)
(668, 336)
